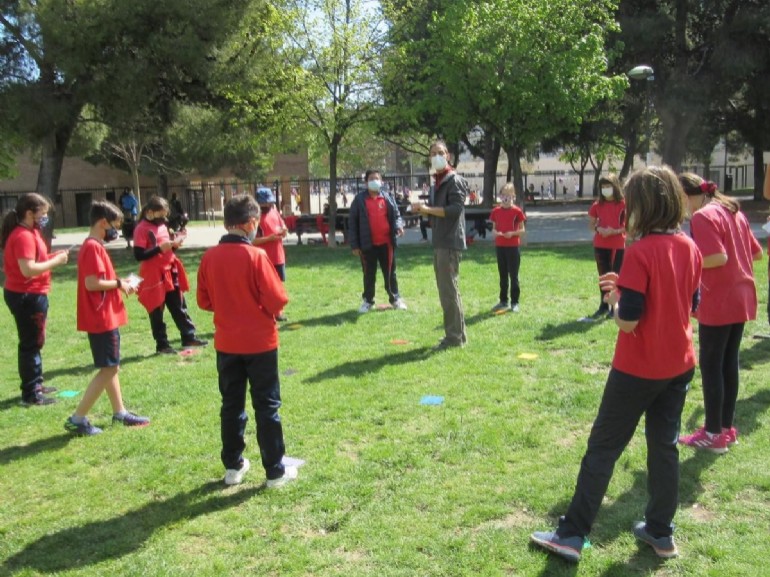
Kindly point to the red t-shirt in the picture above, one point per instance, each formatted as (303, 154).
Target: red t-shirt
(98, 311)
(609, 214)
(666, 269)
(507, 220)
(377, 209)
(25, 244)
(728, 293)
(271, 223)
(149, 235)
(239, 284)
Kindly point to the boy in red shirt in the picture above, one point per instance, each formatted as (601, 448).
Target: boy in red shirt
(507, 229)
(272, 230)
(100, 313)
(246, 340)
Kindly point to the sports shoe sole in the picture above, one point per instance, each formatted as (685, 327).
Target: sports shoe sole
(564, 552)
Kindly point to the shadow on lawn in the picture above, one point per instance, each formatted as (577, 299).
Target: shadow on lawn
(89, 368)
(550, 331)
(98, 541)
(356, 368)
(330, 320)
(17, 452)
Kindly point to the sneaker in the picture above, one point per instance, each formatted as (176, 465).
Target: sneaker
(399, 305)
(514, 308)
(444, 345)
(84, 429)
(731, 436)
(289, 474)
(365, 307)
(167, 350)
(39, 400)
(48, 390)
(501, 306)
(281, 317)
(601, 312)
(702, 439)
(235, 476)
(130, 420)
(568, 548)
(193, 343)
(664, 547)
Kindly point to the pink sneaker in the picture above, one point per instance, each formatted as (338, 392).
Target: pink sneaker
(731, 436)
(701, 439)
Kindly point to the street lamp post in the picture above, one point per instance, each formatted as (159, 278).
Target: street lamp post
(645, 72)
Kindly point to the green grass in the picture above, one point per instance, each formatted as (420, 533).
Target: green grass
(391, 487)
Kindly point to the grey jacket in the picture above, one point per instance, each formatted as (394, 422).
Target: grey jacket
(449, 232)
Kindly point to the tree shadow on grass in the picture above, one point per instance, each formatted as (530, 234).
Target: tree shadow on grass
(9, 454)
(98, 541)
(757, 354)
(371, 365)
(89, 368)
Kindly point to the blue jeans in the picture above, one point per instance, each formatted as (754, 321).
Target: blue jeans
(30, 311)
(626, 398)
(261, 372)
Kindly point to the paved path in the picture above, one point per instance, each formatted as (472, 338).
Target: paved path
(555, 224)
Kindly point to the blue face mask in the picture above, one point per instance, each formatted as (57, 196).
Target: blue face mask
(110, 234)
(42, 222)
(374, 185)
(251, 235)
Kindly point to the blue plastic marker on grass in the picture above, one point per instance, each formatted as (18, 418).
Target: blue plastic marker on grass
(67, 394)
(431, 400)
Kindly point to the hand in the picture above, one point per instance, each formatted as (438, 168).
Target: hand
(61, 257)
(357, 251)
(508, 234)
(418, 204)
(284, 232)
(608, 283)
(126, 287)
(400, 232)
(166, 246)
(602, 231)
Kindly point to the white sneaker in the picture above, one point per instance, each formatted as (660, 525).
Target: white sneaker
(289, 474)
(399, 305)
(235, 476)
(365, 307)
(515, 308)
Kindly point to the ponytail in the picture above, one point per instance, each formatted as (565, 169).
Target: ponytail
(155, 204)
(694, 185)
(29, 201)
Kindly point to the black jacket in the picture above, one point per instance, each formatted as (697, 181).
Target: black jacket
(359, 231)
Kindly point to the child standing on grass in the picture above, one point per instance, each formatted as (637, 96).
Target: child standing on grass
(507, 229)
(27, 266)
(239, 284)
(100, 313)
(651, 370)
(728, 300)
(272, 230)
(165, 280)
(607, 218)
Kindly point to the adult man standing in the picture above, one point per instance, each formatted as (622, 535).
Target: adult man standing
(447, 219)
(373, 225)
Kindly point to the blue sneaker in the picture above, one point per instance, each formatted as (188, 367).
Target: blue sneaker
(84, 429)
(664, 547)
(130, 420)
(568, 548)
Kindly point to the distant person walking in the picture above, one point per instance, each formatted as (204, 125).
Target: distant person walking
(373, 227)
(447, 219)
(607, 218)
(728, 300)
(27, 266)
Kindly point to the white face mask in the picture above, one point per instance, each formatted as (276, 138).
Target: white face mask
(607, 192)
(374, 185)
(438, 162)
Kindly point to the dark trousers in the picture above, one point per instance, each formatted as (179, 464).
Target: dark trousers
(607, 260)
(424, 228)
(30, 311)
(177, 306)
(508, 262)
(261, 372)
(719, 347)
(384, 256)
(626, 398)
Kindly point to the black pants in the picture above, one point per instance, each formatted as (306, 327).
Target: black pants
(424, 228)
(385, 256)
(508, 262)
(177, 306)
(30, 311)
(719, 348)
(626, 398)
(607, 260)
(261, 372)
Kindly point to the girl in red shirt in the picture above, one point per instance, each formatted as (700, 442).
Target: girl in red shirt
(651, 371)
(165, 280)
(607, 218)
(508, 228)
(27, 266)
(728, 300)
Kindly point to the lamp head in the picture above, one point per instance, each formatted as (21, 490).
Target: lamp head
(641, 72)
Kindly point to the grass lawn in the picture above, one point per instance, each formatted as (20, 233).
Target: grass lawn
(391, 487)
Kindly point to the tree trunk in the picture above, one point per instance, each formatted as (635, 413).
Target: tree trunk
(53, 148)
(333, 150)
(491, 156)
(759, 172)
(514, 161)
(597, 175)
(135, 180)
(676, 126)
(628, 156)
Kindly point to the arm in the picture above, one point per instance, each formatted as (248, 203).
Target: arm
(31, 268)
(632, 304)
(202, 292)
(354, 226)
(716, 260)
(592, 222)
(98, 284)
